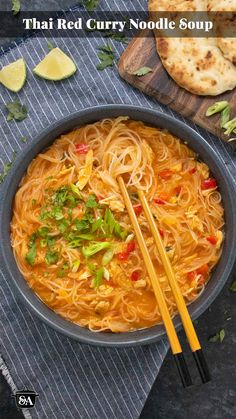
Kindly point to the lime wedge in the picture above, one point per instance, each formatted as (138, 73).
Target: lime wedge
(55, 66)
(13, 75)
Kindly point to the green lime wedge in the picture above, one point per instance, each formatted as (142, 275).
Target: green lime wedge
(13, 75)
(55, 66)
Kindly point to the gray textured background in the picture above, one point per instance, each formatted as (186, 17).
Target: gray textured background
(167, 399)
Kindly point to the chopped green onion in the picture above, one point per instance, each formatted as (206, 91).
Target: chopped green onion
(129, 238)
(57, 213)
(97, 280)
(75, 265)
(43, 243)
(97, 225)
(94, 248)
(74, 243)
(106, 274)
(76, 191)
(107, 257)
(86, 236)
(230, 126)
(217, 107)
(224, 116)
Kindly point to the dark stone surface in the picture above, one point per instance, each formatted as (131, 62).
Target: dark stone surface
(168, 400)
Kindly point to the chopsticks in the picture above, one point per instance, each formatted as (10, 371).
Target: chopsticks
(183, 311)
(170, 330)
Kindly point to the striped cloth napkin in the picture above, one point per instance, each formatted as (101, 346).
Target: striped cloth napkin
(72, 380)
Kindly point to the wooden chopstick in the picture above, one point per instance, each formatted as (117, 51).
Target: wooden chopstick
(183, 311)
(170, 330)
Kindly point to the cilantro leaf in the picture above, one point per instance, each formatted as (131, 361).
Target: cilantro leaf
(23, 139)
(119, 37)
(219, 336)
(62, 271)
(106, 56)
(43, 231)
(81, 225)
(142, 71)
(16, 111)
(57, 213)
(15, 7)
(63, 225)
(31, 255)
(91, 202)
(51, 257)
(233, 286)
(7, 168)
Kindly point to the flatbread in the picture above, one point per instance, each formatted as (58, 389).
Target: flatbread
(226, 45)
(196, 64)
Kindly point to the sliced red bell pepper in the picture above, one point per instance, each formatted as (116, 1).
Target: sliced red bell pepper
(82, 148)
(208, 184)
(212, 239)
(137, 209)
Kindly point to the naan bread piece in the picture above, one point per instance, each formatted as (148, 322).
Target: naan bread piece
(196, 64)
(226, 45)
(176, 5)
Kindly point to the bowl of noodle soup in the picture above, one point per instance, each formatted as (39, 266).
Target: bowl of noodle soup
(68, 244)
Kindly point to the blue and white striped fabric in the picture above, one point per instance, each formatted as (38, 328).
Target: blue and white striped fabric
(72, 380)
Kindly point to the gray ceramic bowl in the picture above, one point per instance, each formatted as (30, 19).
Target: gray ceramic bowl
(197, 143)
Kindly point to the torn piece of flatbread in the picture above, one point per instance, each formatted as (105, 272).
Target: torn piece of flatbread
(226, 45)
(196, 64)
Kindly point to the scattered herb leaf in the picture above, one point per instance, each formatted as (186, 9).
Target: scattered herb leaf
(15, 7)
(92, 202)
(90, 5)
(23, 139)
(16, 111)
(50, 45)
(106, 57)
(219, 336)
(230, 126)
(119, 37)
(217, 107)
(7, 168)
(233, 286)
(224, 116)
(62, 271)
(31, 255)
(51, 257)
(142, 71)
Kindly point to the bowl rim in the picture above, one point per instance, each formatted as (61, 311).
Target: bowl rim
(139, 337)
